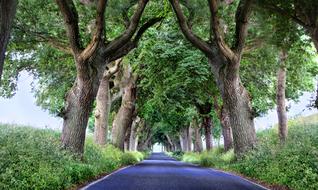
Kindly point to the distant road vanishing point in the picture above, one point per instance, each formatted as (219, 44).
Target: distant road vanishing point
(161, 172)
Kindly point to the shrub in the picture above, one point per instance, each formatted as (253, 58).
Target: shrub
(33, 159)
(129, 158)
(294, 164)
(191, 157)
(177, 154)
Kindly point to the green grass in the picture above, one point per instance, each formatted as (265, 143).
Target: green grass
(294, 164)
(32, 159)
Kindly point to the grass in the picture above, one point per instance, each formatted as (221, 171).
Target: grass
(32, 159)
(294, 164)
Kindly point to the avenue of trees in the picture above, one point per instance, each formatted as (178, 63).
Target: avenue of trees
(137, 72)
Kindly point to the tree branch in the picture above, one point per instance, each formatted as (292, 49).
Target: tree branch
(282, 12)
(217, 31)
(117, 95)
(243, 13)
(145, 26)
(99, 32)
(194, 39)
(46, 38)
(111, 71)
(129, 32)
(70, 15)
(124, 50)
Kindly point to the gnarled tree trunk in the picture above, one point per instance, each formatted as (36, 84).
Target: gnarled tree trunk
(103, 105)
(280, 98)
(124, 117)
(225, 61)
(79, 104)
(7, 13)
(237, 101)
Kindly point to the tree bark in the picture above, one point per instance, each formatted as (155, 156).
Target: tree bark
(281, 98)
(184, 139)
(207, 124)
(79, 104)
(124, 117)
(103, 105)
(315, 38)
(133, 139)
(7, 13)
(226, 130)
(237, 101)
(198, 147)
(189, 136)
(170, 143)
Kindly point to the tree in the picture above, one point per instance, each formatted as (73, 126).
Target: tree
(7, 14)
(124, 117)
(225, 63)
(103, 105)
(304, 13)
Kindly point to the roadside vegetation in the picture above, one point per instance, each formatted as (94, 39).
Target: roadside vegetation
(293, 164)
(33, 159)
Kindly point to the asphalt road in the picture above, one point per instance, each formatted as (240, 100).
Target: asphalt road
(160, 172)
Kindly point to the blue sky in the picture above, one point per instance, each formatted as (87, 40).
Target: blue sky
(21, 109)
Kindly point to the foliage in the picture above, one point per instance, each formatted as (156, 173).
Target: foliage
(33, 159)
(177, 154)
(294, 164)
(130, 158)
(214, 158)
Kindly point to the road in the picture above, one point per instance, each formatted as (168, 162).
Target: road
(160, 172)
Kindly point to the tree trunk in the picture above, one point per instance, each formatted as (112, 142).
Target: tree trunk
(124, 117)
(189, 136)
(280, 98)
(184, 139)
(103, 105)
(207, 124)
(226, 130)
(146, 138)
(198, 147)
(237, 101)
(170, 144)
(314, 37)
(7, 13)
(133, 139)
(79, 105)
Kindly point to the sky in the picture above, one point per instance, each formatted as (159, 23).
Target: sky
(22, 109)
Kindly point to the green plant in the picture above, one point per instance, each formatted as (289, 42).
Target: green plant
(129, 158)
(33, 159)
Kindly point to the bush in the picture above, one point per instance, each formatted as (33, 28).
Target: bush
(191, 157)
(33, 159)
(177, 154)
(129, 158)
(294, 164)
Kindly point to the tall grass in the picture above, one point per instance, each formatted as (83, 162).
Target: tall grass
(294, 164)
(33, 159)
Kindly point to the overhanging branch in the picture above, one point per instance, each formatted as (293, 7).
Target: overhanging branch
(70, 16)
(129, 32)
(194, 39)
